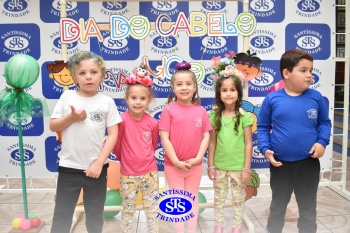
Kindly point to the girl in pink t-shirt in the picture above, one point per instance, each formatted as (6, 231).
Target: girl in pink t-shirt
(184, 131)
(137, 142)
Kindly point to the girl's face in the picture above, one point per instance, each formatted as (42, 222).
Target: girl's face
(88, 75)
(184, 88)
(138, 98)
(228, 93)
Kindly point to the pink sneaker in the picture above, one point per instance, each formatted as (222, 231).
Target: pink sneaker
(236, 230)
(219, 229)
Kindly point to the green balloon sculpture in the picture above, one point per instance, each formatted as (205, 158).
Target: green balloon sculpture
(17, 106)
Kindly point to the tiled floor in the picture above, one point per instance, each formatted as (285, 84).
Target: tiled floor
(333, 210)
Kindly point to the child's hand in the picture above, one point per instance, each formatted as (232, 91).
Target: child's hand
(245, 177)
(317, 151)
(191, 162)
(269, 156)
(94, 170)
(211, 174)
(183, 166)
(79, 115)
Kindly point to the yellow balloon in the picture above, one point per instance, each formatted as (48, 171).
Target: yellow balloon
(16, 223)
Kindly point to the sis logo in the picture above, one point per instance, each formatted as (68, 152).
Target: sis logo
(52, 148)
(262, 42)
(15, 8)
(207, 86)
(163, 45)
(316, 73)
(19, 38)
(308, 8)
(175, 205)
(114, 8)
(172, 8)
(214, 6)
(159, 155)
(50, 10)
(28, 155)
(111, 50)
(56, 76)
(205, 48)
(313, 38)
(259, 160)
(57, 45)
(272, 11)
(259, 86)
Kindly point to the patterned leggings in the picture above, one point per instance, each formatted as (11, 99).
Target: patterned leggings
(148, 185)
(220, 194)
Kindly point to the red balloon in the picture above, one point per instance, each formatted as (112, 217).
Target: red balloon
(35, 222)
(113, 176)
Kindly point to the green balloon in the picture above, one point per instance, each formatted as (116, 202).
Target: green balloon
(21, 71)
(113, 198)
(201, 199)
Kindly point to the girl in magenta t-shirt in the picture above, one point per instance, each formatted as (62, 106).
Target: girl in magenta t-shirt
(137, 142)
(184, 132)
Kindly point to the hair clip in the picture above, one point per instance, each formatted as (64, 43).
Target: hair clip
(140, 75)
(184, 65)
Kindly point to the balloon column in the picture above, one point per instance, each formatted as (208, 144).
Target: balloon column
(17, 106)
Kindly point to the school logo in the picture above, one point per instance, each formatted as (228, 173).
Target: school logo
(316, 73)
(28, 155)
(214, 6)
(270, 11)
(258, 160)
(159, 155)
(146, 136)
(96, 116)
(207, 86)
(50, 10)
(114, 81)
(114, 8)
(175, 205)
(259, 86)
(262, 42)
(206, 47)
(15, 8)
(19, 38)
(313, 38)
(52, 148)
(163, 45)
(312, 113)
(308, 8)
(171, 8)
(112, 50)
(57, 45)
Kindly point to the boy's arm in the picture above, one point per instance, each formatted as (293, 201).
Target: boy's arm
(58, 124)
(94, 170)
(324, 124)
(264, 127)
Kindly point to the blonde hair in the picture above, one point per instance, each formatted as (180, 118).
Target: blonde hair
(75, 60)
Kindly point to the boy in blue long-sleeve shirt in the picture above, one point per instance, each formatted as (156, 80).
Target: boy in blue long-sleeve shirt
(293, 131)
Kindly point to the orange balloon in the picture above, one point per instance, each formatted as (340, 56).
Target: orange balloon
(113, 176)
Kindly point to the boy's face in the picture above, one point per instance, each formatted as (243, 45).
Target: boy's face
(300, 78)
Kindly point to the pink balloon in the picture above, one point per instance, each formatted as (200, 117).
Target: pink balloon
(22, 216)
(26, 225)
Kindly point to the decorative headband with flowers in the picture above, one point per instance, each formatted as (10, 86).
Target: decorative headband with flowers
(140, 75)
(226, 67)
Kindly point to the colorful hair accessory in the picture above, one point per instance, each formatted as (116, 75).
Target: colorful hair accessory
(226, 67)
(140, 75)
(184, 65)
